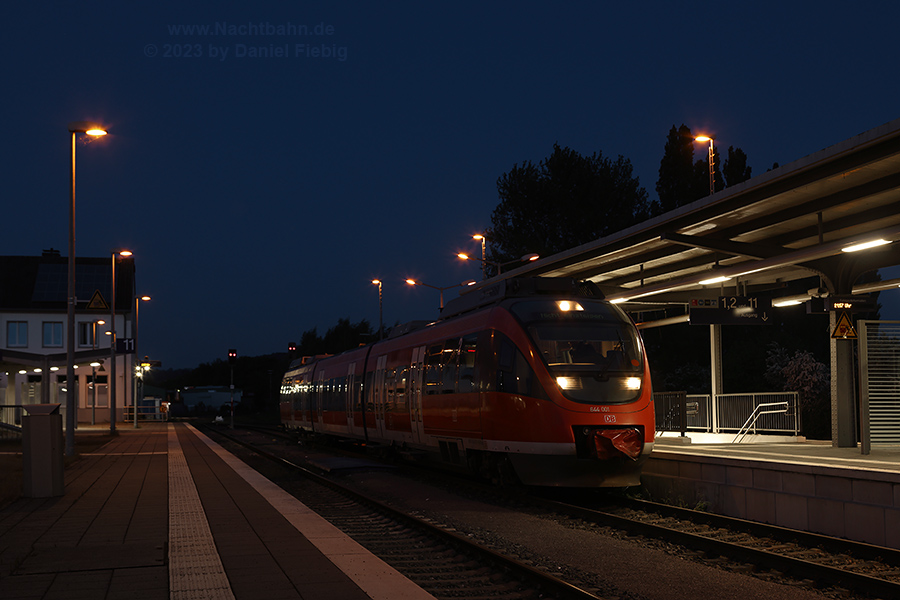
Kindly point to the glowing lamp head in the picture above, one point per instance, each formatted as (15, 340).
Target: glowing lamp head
(703, 138)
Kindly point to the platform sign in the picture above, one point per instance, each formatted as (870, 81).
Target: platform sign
(843, 329)
(849, 304)
(731, 310)
(125, 346)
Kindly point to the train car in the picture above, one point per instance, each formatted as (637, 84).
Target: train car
(537, 380)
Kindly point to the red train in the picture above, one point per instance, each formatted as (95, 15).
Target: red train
(536, 379)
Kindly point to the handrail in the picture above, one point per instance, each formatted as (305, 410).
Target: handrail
(756, 414)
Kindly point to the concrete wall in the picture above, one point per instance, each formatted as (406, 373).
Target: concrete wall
(841, 502)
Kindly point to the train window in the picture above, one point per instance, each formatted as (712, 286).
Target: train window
(434, 369)
(594, 354)
(449, 361)
(466, 381)
(514, 374)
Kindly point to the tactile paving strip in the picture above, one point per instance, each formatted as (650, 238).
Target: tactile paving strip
(195, 569)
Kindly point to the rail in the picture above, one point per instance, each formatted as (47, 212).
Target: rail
(750, 423)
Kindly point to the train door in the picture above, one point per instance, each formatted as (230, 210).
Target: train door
(378, 394)
(352, 401)
(416, 373)
(315, 406)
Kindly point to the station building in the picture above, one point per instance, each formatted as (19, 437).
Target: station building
(33, 317)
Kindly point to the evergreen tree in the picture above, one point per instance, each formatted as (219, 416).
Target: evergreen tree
(676, 185)
(735, 169)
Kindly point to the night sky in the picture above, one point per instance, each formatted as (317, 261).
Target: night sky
(262, 194)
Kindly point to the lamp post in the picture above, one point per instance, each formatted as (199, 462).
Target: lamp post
(112, 342)
(71, 387)
(481, 236)
(94, 366)
(712, 164)
(380, 311)
(134, 394)
(440, 289)
(525, 258)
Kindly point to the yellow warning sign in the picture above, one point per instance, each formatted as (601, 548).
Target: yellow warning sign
(97, 302)
(844, 328)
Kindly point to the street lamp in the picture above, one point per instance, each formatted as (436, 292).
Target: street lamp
(712, 164)
(380, 312)
(112, 342)
(441, 289)
(134, 394)
(525, 258)
(71, 387)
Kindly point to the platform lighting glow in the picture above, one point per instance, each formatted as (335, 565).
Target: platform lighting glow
(95, 364)
(719, 279)
(54, 368)
(865, 245)
(702, 138)
(566, 306)
(22, 372)
(37, 370)
(618, 300)
(463, 256)
(96, 132)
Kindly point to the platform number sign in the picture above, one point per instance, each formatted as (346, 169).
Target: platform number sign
(125, 346)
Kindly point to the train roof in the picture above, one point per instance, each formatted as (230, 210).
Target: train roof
(488, 294)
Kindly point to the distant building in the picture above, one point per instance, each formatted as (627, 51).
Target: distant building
(34, 325)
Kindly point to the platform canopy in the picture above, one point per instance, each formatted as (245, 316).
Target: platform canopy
(787, 224)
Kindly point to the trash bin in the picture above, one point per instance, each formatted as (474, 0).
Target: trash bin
(42, 451)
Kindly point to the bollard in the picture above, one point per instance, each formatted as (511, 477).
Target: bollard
(42, 451)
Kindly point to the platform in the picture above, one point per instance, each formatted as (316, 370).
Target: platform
(807, 485)
(162, 512)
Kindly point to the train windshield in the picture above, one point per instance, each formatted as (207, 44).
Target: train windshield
(591, 348)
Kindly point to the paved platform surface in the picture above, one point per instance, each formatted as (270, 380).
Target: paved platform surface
(163, 512)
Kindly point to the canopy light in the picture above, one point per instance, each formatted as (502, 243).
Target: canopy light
(786, 303)
(702, 138)
(865, 245)
(719, 279)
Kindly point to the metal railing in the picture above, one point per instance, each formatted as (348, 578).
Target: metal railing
(10, 422)
(768, 408)
(680, 412)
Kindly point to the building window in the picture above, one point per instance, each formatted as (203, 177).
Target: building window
(86, 331)
(53, 334)
(17, 334)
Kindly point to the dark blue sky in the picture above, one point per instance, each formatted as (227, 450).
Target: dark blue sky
(261, 195)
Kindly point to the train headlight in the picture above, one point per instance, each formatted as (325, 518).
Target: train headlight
(632, 383)
(569, 383)
(567, 305)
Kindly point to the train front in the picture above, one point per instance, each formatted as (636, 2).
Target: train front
(595, 371)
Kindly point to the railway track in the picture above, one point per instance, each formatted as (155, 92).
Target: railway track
(445, 563)
(775, 553)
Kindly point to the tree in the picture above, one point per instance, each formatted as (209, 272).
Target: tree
(565, 200)
(735, 168)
